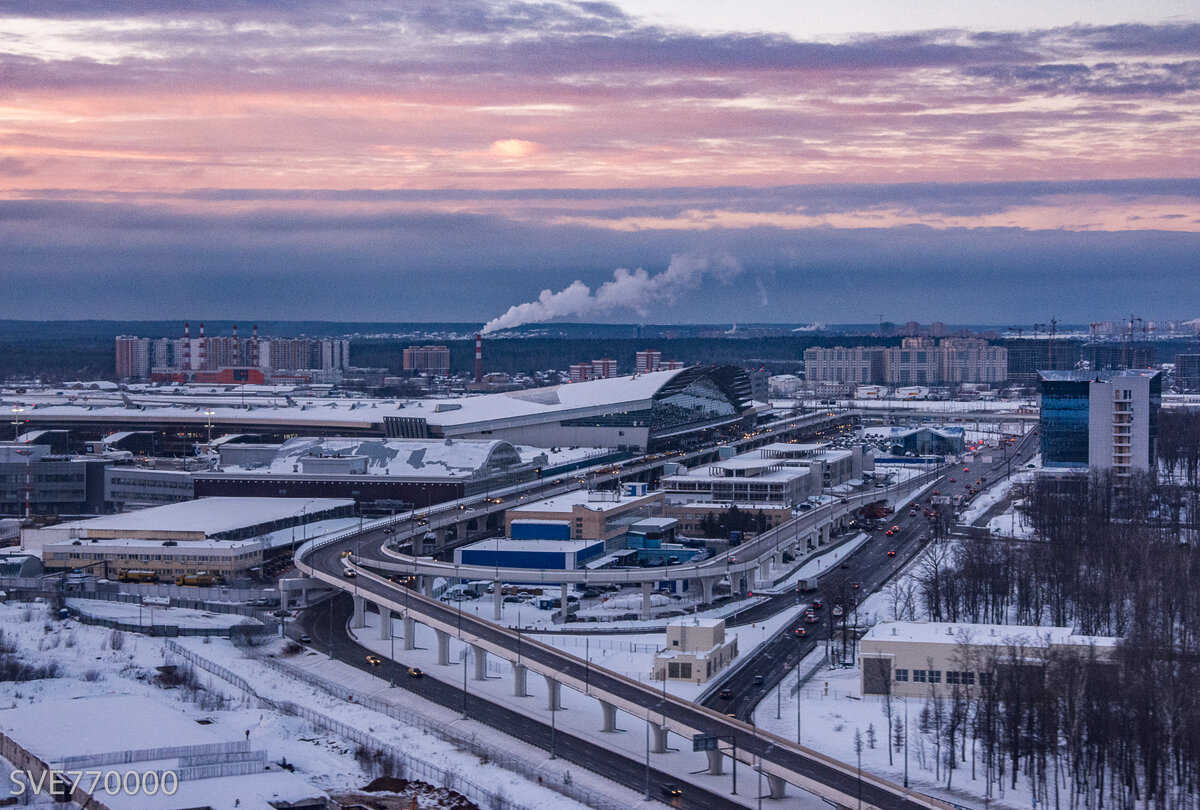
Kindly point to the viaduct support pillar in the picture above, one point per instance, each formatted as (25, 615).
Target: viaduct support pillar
(410, 635)
(497, 600)
(659, 746)
(610, 716)
(360, 613)
(385, 623)
(443, 644)
(777, 786)
(553, 694)
(480, 656)
(716, 763)
(646, 601)
(519, 680)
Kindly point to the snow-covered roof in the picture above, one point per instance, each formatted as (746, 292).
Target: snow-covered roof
(457, 415)
(508, 544)
(567, 502)
(405, 458)
(1003, 634)
(208, 515)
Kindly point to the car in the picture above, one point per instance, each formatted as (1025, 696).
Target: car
(389, 530)
(937, 492)
(816, 605)
(759, 680)
(966, 469)
(726, 694)
(837, 610)
(415, 672)
(280, 614)
(349, 573)
(953, 480)
(801, 632)
(374, 660)
(346, 554)
(305, 638)
(891, 552)
(895, 528)
(671, 789)
(844, 565)
(810, 618)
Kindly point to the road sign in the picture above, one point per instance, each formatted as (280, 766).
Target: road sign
(704, 742)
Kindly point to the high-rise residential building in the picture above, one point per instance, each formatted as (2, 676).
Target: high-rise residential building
(1028, 356)
(1187, 372)
(604, 368)
(860, 365)
(580, 372)
(1104, 420)
(427, 360)
(671, 365)
(647, 361)
(176, 358)
(968, 360)
(132, 357)
(917, 361)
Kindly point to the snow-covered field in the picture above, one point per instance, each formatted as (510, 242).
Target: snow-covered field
(90, 664)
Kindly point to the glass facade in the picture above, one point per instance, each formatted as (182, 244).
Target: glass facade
(1064, 424)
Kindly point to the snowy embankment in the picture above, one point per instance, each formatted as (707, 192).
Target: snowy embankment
(93, 661)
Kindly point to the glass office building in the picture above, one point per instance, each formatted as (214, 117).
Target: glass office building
(1064, 424)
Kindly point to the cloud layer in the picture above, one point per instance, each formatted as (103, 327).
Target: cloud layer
(465, 156)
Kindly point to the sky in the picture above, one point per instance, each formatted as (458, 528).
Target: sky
(772, 161)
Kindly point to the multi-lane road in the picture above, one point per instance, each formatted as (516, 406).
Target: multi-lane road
(871, 565)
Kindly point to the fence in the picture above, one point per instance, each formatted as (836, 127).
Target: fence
(555, 640)
(171, 630)
(414, 765)
(504, 759)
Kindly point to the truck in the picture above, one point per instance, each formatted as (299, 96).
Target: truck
(201, 578)
(806, 584)
(135, 575)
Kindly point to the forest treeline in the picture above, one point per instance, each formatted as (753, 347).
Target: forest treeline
(1095, 726)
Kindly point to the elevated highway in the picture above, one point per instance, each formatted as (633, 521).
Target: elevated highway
(781, 761)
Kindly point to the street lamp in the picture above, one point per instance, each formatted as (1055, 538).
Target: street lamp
(16, 422)
(208, 412)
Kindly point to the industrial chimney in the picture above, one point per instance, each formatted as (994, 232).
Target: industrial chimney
(187, 346)
(478, 358)
(203, 348)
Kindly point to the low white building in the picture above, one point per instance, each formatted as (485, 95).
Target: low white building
(696, 650)
(225, 537)
(915, 659)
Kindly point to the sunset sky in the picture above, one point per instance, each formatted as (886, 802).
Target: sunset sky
(960, 161)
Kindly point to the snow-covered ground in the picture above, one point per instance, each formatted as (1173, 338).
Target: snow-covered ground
(150, 615)
(581, 714)
(91, 666)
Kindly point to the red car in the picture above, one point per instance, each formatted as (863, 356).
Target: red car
(891, 553)
(966, 469)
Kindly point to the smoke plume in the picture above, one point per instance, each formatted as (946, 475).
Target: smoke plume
(629, 289)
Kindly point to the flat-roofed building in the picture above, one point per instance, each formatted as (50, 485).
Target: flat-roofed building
(226, 537)
(917, 659)
(583, 515)
(696, 650)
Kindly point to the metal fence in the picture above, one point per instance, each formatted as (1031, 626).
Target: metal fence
(467, 742)
(84, 761)
(413, 765)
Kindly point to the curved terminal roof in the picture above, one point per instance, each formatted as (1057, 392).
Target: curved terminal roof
(449, 417)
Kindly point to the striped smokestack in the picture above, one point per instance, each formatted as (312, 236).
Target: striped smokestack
(478, 358)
